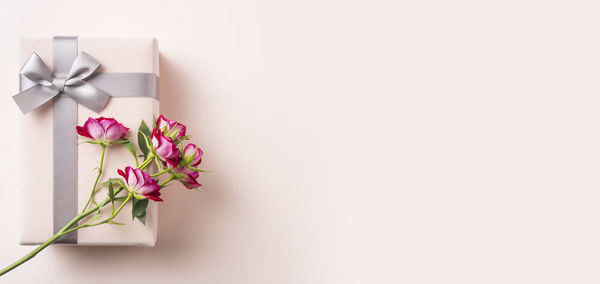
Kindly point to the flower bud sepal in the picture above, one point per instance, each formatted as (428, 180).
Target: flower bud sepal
(197, 170)
(138, 196)
(106, 143)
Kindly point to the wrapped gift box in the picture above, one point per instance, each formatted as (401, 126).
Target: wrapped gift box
(39, 201)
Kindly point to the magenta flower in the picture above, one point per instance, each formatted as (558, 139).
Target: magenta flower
(102, 129)
(165, 148)
(192, 155)
(187, 177)
(170, 128)
(140, 183)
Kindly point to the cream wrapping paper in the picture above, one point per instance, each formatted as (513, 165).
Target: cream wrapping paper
(36, 139)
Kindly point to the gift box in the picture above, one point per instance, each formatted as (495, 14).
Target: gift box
(57, 175)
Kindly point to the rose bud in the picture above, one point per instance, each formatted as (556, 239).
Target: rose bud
(192, 155)
(140, 184)
(164, 148)
(102, 129)
(170, 128)
(187, 177)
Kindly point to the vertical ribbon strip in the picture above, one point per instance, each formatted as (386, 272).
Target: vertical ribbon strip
(64, 142)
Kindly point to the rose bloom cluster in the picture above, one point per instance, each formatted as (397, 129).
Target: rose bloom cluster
(166, 138)
(166, 142)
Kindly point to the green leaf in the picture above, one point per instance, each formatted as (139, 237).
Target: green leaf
(115, 223)
(144, 129)
(113, 181)
(148, 142)
(142, 218)
(89, 142)
(143, 133)
(138, 210)
(111, 193)
(197, 170)
(122, 141)
(131, 149)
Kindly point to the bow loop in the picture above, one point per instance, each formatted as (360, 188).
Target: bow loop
(74, 85)
(83, 67)
(37, 71)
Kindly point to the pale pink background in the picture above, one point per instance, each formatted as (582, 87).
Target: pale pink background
(356, 141)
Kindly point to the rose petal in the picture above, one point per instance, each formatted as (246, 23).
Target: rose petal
(116, 132)
(93, 127)
(106, 122)
(181, 132)
(131, 177)
(140, 178)
(148, 189)
(121, 173)
(161, 122)
(81, 131)
(155, 198)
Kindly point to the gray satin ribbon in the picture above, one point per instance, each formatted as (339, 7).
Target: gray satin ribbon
(64, 144)
(75, 80)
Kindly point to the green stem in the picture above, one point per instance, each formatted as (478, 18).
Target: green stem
(56, 236)
(158, 165)
(113, 215)
(97, 178)
(161, 172)
(167, 180)
(147, 161)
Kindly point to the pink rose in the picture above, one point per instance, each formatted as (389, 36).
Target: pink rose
(170, 128)
(141, 183)
(165, 148)
(187, 177)
(192, 155)
(102, 129)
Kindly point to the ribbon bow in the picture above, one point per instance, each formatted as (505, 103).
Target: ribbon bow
(50, 85)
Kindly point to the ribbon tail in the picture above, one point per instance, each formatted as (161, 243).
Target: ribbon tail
(34, 97)
(88, 96)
